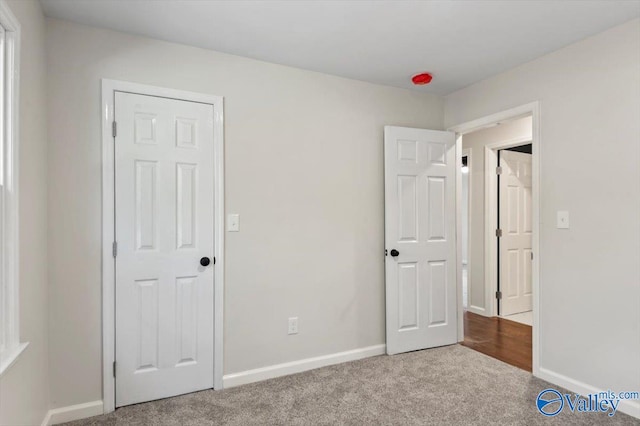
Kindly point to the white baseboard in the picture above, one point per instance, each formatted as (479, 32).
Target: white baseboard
(250, 376)
(73, 412)
(478, 311)
(95, 408)
(630, 407)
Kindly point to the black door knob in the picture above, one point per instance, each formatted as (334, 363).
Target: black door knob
(205, 261)
(395, 253)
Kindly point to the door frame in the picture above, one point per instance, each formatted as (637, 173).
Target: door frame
(532, 109)
(466, 153)
(109, 87)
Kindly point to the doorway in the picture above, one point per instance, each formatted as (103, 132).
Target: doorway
(498, 170)
(162, 243)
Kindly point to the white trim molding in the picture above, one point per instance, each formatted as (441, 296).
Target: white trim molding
(630, 407)
(95, 408)
(10, 346)
(73, 412)
(278, 370)
(532, 109)
(109, 87)
(11, 356)
(467, 152)
(460, 152)
(458, 235)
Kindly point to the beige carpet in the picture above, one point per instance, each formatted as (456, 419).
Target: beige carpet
(452, 385)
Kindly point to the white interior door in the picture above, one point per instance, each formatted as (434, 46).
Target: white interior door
(164, 227)
(517, 225)
(420, 238)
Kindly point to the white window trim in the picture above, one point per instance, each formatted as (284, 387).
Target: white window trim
(10, 268)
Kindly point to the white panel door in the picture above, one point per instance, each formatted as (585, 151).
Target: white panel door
(420, 238)
(516, 224)
(164, 227)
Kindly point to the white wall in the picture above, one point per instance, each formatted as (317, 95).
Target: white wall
(304, 169)
(589, 94)
(464, 210)
(476, 142)
(24, 388)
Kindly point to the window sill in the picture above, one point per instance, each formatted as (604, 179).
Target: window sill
(9, 358)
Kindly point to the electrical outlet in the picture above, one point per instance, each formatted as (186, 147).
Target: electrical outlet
(293, 325)
(563, 220)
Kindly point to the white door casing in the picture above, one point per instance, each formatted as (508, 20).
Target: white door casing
(420, 220)
(164, 196)
(516, 224)
(491, 253)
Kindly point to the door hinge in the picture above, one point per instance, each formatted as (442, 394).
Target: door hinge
(531, 255)
(114, 369)
(115, 249)
(498, 233)
(498, 295)
(498, 170)
(114, 129)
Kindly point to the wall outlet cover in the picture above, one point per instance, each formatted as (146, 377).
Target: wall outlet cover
(562, 219)
(293, 325)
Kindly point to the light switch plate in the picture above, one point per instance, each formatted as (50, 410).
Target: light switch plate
(233, 222)
(563, 219)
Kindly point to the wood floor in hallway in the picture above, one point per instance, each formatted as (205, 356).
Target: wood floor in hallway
(499, 338)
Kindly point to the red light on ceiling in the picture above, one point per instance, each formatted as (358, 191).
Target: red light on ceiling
(422, 79)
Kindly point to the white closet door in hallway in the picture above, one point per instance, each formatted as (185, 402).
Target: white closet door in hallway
(516, 223)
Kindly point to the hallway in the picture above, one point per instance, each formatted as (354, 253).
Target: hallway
(499, 338)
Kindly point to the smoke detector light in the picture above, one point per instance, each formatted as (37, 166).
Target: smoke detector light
(422, 79)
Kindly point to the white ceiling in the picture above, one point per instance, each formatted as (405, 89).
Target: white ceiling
(384, 42)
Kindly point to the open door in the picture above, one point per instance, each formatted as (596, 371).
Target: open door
(516, 225)
(420, 240)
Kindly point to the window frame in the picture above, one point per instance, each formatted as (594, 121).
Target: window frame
(9, 253)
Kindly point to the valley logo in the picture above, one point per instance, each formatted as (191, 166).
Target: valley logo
(550, 402)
